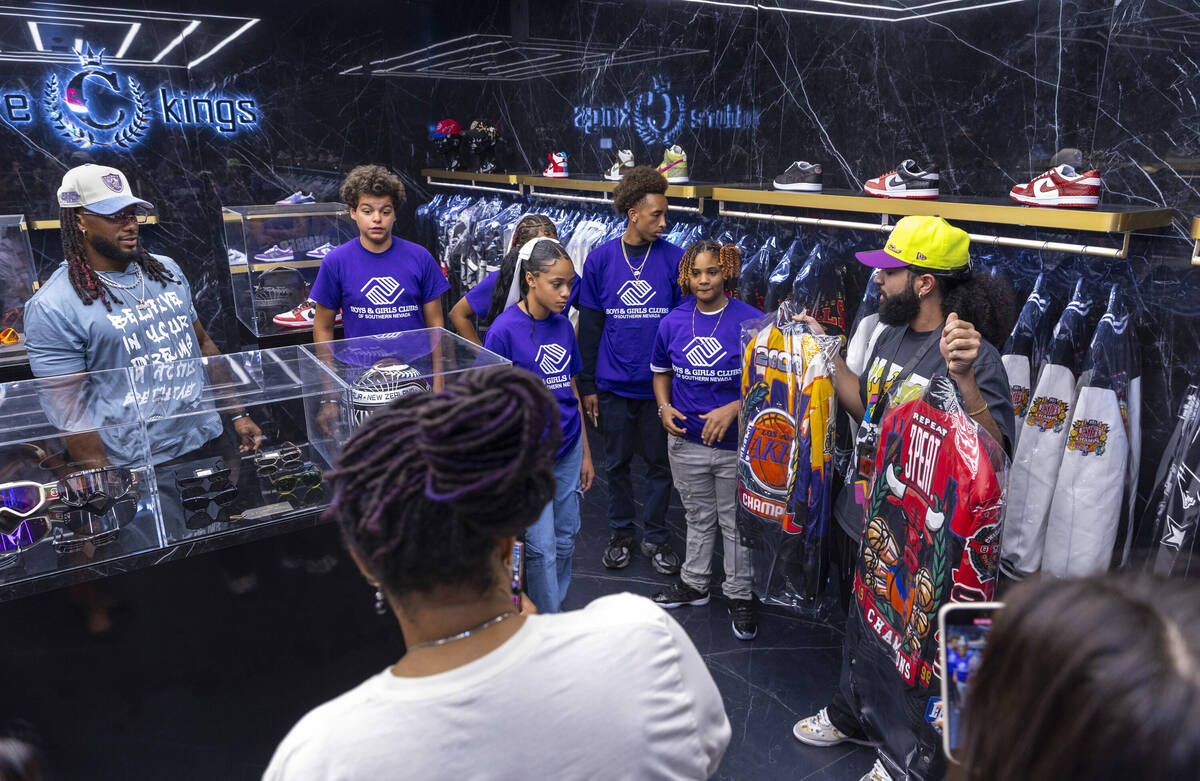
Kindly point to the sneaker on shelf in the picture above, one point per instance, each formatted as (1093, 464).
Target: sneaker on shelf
(321, 251)
(558, 166)
(621, 167)
(907, 181)
(877, 773)
(302, 316)
(618, 553)
(1060, 186)
(662, 557)
(744, 614)
(800, 175)
(674, 165)
(296, 197)
(486, 166)
(236, 258)
(679, 594)
(276, 254)
(819, 731)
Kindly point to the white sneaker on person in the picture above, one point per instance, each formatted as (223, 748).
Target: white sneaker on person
(877, 773)
(818, 730)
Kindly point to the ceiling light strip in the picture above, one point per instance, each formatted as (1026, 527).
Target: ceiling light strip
(222, 44)
(177, 40)
(129, 36)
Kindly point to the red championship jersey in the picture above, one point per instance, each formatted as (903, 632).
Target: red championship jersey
(932, 536)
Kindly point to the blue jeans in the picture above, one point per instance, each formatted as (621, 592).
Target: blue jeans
(629, 425)
(550, 541)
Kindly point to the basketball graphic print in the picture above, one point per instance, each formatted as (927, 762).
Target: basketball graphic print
(767, 449)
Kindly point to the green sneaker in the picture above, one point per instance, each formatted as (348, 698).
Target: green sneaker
(674, 165)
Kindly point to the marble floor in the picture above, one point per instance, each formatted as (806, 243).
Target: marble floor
(197, 683)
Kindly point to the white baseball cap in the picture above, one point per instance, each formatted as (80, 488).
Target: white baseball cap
(99, 188)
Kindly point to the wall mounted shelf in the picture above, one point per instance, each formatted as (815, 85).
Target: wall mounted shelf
(696, 192)
(469, 180)
(1105, 219)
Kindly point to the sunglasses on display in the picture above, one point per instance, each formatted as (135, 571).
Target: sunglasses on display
(270, 462)
(9, 336)
(215, 484)
(304, 487)
(27, 535)
(12, 317)
(121, 218)
(23, 498)
(222, 498)
(96, 490)
(200, 520)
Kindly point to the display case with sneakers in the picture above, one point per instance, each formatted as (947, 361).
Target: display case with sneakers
(76, 487)
(18, 281)
(274, 252)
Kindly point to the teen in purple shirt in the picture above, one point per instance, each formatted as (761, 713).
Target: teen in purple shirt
(382, 284)
(698, 365)
(629, 285)
(535, 335)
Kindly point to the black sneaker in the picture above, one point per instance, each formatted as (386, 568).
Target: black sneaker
(745, 617)
(680, 594)
(800, 175)
(908, 181)
(618, 553)
(662, 557)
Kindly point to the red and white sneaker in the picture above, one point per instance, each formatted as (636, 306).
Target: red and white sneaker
(1060, 186)
(558, 166)
(302, 316)
(908, 181)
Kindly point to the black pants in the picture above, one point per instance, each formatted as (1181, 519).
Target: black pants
(629, 425)
(844, 553)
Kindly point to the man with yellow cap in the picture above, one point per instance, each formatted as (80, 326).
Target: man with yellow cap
(940, 318)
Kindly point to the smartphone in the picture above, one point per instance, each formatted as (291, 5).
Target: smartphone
(518, 572)
(963, 628)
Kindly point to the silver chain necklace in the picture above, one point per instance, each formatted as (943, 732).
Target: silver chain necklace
(141, 302)
(465, 634)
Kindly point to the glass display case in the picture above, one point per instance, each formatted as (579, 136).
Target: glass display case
(75, 485)
(274, 253)
(17, 283)
(113, 470)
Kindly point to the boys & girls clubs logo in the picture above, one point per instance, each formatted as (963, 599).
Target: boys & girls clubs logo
(94, 106)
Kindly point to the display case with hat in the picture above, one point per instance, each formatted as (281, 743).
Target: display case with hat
(18, 281)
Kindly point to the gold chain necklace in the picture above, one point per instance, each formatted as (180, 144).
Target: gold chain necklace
(637, 272)
(715, 327)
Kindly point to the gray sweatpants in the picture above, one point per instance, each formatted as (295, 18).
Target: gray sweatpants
(706, 478)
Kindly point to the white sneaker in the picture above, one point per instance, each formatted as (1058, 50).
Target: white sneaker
(621, 167)
(876, 773)
(819, 731)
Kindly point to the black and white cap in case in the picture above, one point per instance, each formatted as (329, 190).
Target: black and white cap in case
(97, 188)
(379, 385)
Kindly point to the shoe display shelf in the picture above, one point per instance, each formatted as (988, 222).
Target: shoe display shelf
(111, 471)
(1196, 241)
(470, 180)
(18, 282)
(274, 252)
(1107, 218)
(547, 187)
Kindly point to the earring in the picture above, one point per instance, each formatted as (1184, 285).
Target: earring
(380, 602)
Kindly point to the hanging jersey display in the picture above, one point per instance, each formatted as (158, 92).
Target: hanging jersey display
(1167, 532)
(785, 456)
(779, 283)
(1022, 354)
(818, 290)
(932, 536)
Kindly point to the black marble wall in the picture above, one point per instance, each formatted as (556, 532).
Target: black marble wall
(990, 92)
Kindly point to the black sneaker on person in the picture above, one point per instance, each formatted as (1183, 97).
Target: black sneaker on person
(800, 175)
(662, 557)
(744, 613)
(618, 553)
(679, 594)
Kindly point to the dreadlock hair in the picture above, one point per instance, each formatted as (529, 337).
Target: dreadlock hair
(88, 285)
(424, 490)
(987, 302)
(642, 180)
(729, 257)
(373, 180)
(508, 264)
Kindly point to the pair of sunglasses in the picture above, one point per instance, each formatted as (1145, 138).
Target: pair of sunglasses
(218, 476)
(27, 534)
(12, 317)
(270, 462)
(304, 487)
(221, 499)
(9, 336)
(96, 490)
(22, 498)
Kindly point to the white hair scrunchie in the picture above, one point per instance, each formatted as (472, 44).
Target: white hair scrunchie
(514, 290)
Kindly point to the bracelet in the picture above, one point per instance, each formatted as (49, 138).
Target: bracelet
(979, 411)
(238, 416)
(662, 407)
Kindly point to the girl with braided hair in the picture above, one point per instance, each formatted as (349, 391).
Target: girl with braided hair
(483, 303)
(535, 335)
(430, 498)
(697, 364)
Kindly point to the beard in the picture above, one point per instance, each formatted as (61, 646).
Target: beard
(111, 251)
(901, 308)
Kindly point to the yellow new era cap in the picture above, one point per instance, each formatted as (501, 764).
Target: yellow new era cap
(928, 242)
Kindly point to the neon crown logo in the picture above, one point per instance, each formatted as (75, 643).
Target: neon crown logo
(101, 120)
(658, 116)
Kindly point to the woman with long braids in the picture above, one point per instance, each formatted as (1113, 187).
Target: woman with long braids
(430, 499)
(697, 363)
(536, 336)
(482, 302)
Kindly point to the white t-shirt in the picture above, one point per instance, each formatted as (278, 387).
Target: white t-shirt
(613, 691)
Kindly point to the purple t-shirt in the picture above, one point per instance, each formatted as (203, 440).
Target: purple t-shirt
(379, 292)
(632, 310)
(706, 360)
(548, 349)
(479, 298)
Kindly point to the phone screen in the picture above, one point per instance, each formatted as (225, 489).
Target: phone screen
(964, 631)
(518, 571)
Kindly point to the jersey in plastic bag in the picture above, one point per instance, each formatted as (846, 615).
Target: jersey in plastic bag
(818, 290)
(1022, 354)
(932, 536)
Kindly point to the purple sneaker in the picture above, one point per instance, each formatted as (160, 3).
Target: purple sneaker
(321, 251)
(275, 254)
(296, 197)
